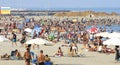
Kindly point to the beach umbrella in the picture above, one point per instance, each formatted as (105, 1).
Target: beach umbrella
(114, 35)
(38, 41)
(103, 34)
(28, 30)
(2, 39)
(112, 41)
(93, 30)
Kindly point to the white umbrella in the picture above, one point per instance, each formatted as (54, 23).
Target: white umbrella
(103, 34)
(28, 30)
(114, 35)
(38, 41)
(112, 41)
(2, 39)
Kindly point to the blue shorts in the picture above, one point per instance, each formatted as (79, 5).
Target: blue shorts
(13, 40)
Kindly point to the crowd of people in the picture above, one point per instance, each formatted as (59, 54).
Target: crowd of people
(55, 30)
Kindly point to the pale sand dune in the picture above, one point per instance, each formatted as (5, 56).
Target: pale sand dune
(90, 58)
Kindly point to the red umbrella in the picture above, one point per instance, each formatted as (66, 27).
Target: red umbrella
(93, 30)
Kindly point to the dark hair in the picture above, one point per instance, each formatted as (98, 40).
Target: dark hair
(41, 51)
(59, 47)
(46, 55)
(28, 49)
(116, 46)
(29, 45)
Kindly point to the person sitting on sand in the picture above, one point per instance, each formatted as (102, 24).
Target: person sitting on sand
(74, 49)
(23, 39)
(59, 52)
(34, 58)
(47, 60)
(99, 48)
(105, 49)
(15, 55)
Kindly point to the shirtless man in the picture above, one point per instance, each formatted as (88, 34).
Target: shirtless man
(41, 58)
(85, 39)
(27, 56)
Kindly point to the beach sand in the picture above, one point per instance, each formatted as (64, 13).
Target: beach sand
(89, 58)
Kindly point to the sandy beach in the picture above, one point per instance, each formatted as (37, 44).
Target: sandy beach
(89, 58)
(64, 32)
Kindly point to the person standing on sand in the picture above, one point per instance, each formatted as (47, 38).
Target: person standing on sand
(41, 58)
(117, 56)
(27, 56)
(14, 39)
(85, 39)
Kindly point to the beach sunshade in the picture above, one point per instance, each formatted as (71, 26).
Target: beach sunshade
(28, 30)
(103, 34)
(112, 41)
(114, 35)
(93, 30)
(2, 39)
(38, 41)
